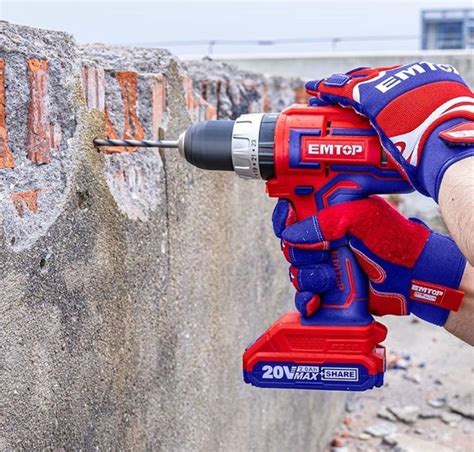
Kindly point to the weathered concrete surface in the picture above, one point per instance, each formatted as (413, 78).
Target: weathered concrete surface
(131, 283)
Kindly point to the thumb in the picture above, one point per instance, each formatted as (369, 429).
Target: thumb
(283, 215)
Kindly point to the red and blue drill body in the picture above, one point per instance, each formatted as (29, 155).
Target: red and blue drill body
(324, 156)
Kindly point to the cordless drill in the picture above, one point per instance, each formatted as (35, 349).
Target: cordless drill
(314, 157)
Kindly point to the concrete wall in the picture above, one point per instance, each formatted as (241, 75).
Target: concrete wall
(320, 65)
(131, 283)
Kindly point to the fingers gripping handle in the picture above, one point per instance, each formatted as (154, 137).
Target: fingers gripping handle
(347, 303)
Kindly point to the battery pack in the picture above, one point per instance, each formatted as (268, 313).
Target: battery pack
(336, 358)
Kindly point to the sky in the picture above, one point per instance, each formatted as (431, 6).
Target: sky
(161, 23)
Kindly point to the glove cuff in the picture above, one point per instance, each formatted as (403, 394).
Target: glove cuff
(438, 156)
(436, 278)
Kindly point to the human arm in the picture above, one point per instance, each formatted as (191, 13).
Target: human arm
(460, 323)
(456, 201)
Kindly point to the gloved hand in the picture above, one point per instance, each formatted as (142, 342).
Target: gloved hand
(422, 112)
(411, 269)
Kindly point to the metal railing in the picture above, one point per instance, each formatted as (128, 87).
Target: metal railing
(333, 41)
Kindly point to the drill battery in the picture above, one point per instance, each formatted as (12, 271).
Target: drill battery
(295, 356)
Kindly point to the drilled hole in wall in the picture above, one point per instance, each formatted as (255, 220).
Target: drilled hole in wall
(83, 199)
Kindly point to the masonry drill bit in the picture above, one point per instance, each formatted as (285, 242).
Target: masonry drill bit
(137, 143)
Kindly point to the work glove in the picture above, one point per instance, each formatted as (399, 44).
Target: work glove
(410, 268)
(422, 112)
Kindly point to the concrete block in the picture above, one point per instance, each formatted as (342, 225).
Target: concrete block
(132, 282)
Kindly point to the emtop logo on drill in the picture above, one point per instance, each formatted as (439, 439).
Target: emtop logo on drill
(323, 149)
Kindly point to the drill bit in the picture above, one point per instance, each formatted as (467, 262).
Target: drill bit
(137, 143)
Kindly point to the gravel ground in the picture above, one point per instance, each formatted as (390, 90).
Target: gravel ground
(426, 404)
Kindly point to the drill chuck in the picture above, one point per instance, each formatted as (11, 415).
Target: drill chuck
(244, 145)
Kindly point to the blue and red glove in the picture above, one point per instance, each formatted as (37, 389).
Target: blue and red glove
(411, 269)
(423, 113)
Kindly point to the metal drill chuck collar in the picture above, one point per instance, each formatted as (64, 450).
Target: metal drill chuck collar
(244, 145)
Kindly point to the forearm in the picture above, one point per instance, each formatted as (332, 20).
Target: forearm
(456, 201)
(460, 323)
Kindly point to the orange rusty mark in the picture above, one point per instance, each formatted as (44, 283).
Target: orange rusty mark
(93, 84)
(133, 129)
(197, 105)
(128, 85)
(266, 102)
(6, 156)
(301, 96)
(24, 199)
(188, 92)
(211, 112)
(158, 103)
(38, 141)
(110, 132)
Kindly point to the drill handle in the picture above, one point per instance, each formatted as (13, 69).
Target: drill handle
(347, 303)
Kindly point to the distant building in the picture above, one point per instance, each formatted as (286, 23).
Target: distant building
(447, 29)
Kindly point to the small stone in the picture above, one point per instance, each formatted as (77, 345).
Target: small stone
(429, 414)
(364, 436)
(437, 403)
(392, 360)
(437, 381)
(350, 406)
(408, 443)
(402, 364)
(337, 442)
(390, 440)
(414, 378)
(407, 414)
(417, 379)
(339, 449)
(451, 418)
(347, 420)
(463, 405)
(381, 429)
(385, 414)
(419, 431)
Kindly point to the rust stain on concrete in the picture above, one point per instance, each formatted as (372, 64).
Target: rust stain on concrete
(197, 106)
(6, 155)
(28, 199)
(40, 139)
(211, 112)
(93, 84)
(188, 92)
(266, 101)
(133, 129)
(158, 103)
(301, 96)
(128, 85)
